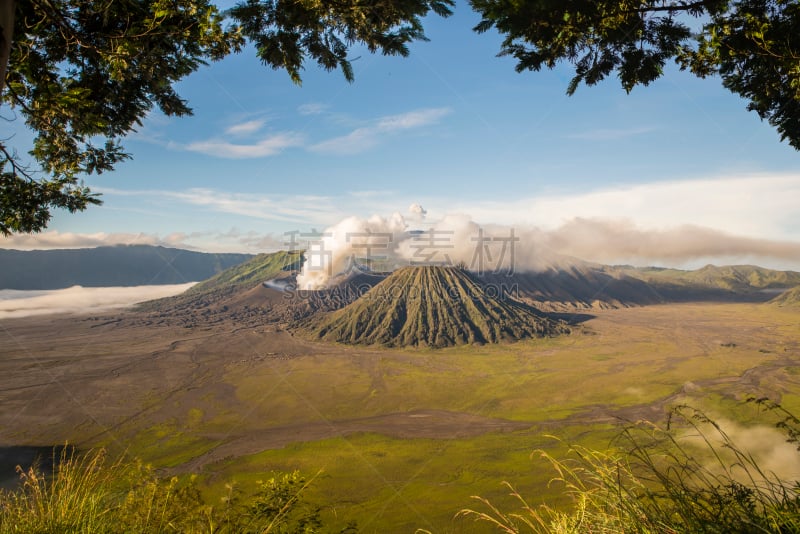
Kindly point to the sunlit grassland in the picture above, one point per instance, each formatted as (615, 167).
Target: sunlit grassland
(570, 387)
(398, 485)
(612, 360)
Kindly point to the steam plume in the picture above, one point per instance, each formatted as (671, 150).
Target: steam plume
(387, 243)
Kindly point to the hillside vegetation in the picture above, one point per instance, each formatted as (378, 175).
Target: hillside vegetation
(790, 297)
(436, 307)
(691, 477)
(741, 279)
(688, 477)
(253, 272)
(242, 277)
(89, 493)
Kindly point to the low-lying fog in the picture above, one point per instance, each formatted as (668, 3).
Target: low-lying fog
(77, 299)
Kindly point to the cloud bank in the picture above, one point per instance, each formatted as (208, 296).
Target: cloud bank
(54, 239)
(622, 241)
(395, 241)
(77, 299)
(685, 224)
(232, 240)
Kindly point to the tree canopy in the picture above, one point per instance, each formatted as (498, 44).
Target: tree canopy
(84, 73)
(753, 45)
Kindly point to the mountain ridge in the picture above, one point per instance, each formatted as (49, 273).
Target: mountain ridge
(789, 298)
(109, 266)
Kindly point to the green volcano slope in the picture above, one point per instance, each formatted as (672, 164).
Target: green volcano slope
(253, 272)
(790, 297)
(235, 293)
(434, 307)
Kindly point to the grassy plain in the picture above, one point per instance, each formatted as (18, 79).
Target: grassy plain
(404, 436)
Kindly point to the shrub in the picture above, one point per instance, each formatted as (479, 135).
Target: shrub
(88, 493)
(689, 477)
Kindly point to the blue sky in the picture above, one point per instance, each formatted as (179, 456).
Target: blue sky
(457, 130)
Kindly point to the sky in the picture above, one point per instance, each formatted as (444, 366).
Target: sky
(678, 173)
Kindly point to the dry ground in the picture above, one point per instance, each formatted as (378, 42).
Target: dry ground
(189, 399)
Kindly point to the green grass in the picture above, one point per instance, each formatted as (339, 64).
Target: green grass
(88, 493)
(689, 477)
(253, 272)
(398, 485)
(635, 358)
(532, 381)
(693, 475)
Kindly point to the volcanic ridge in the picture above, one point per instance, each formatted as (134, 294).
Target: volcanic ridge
(434, 306)
(790, 297)
(438, 306)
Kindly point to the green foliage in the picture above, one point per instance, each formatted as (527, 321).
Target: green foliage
(753, 45)
(286, 34)
(25, 204)
(88, 493)
(688, 477)
(83, 74)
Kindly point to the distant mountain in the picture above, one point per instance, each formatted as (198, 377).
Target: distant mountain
(733, 282)
(263, 290)
(121, 265)
(789, 298)
(581, 285)
(435, 307)
(232, 284)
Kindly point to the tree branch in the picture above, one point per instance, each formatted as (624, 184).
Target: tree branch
(693, 6)
(16, 168)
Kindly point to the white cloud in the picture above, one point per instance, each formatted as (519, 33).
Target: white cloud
(355, 142)
(245, 128)
(760, 206)
(622, 241)
(416, 212)
(60, 240)
(312, 108)
(232, 240)
(304, 209)
(269, 146)
(79, 299)
(412, 119)
(366, 137)
(735, 219)
(301, 209)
